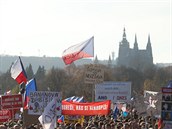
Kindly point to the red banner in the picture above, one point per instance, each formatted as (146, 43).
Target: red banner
(86, 109)
(11, 101)
(5, 115)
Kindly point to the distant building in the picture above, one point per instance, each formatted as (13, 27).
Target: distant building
(133, 57)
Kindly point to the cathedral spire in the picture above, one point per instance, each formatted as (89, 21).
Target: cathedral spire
(149, 39)
(96, 61)
(149, 47)
(149, 43)
(135, 43)
(124, 38)
(135, 38)
(124, 34)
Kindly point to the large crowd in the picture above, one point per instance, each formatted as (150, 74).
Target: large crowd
(132, 121)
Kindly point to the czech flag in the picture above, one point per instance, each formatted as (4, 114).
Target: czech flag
(18, 72)
(61, 119)
(30, 86)
(79, 99)
(78, 51)
(70, 99)
(75, 99)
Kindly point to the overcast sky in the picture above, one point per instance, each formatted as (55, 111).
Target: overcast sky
(48, 27)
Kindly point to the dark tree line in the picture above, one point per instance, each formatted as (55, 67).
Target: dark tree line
(70, 80)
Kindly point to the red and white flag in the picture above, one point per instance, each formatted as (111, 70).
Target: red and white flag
(78, 51)
(18, 72)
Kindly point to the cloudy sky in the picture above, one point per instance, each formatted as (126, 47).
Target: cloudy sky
(48, 27)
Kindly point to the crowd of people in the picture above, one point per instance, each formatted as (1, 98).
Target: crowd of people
(132, 121)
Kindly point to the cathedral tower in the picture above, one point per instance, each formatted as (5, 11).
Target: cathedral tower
(134, 58)
(123, 49)
(149, 49)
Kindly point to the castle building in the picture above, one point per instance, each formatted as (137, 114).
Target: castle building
(133, 57)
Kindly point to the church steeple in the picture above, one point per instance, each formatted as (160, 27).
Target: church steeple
(133, 57)
(149, 47)
(96, 61)
(124, 39)
(149, 39)
(124, 34)
(135, 38)
(135, 43)
(124, 48)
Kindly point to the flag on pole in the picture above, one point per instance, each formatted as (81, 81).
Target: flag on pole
(18, 72)
(30, 86)
(78, 51)
(48, 117)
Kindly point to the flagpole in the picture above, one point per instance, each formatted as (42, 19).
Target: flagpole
(56, 114)
(23, 112)
(93, 92)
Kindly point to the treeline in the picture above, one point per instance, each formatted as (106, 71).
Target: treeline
(70, 80)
